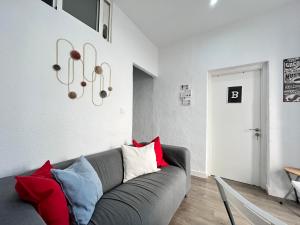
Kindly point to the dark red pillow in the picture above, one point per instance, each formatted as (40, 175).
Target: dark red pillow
(158, 151)
(45, 194)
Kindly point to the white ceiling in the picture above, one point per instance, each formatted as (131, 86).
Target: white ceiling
(165, 21)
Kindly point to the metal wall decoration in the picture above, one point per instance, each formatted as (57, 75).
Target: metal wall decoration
(291, 80)
(99, 72)
(234, 94)
(185, 94)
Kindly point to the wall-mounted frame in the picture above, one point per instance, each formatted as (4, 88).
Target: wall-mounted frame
(49, 2)
(291, 80)
(234, 94)
(185, 94)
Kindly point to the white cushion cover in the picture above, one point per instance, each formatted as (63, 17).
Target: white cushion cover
(296, 185)
(138, 161)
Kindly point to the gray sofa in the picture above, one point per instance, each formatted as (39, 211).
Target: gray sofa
(150, 199)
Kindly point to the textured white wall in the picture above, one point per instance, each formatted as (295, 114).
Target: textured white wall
(142, 124)
(271, 37)
(38, 121)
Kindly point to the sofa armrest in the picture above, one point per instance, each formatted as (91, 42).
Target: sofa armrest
(180, 157)
(13, 211)
(21, 214)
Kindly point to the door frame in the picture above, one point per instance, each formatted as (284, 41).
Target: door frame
(264, 148)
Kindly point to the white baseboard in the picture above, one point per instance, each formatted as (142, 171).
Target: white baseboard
(199, 174)
(279, 193)
(268, 189)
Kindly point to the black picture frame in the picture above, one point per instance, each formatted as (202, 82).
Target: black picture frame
(235, 94)
(49, 2)
(291, 79)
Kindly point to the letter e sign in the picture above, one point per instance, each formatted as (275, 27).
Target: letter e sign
(235, 94)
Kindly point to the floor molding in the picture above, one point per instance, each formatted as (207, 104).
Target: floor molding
(199, 174)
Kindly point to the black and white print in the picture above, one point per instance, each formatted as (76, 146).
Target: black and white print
(291, 80)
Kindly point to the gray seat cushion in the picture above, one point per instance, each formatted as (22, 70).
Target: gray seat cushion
(148, 199)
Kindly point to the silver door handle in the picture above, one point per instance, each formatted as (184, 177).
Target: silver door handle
(255, 129)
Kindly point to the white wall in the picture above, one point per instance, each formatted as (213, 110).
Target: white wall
(142, 124)
(271, 37)
(38, 121)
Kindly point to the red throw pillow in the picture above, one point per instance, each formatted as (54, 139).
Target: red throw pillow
(158, 151)
(45, 194)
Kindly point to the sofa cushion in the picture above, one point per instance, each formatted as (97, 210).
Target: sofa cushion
(148, 199)
(158, 151)
(45, 194)
(296, 185)
(138, 161)
(82, 188)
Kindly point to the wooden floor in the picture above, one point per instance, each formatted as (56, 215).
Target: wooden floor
(203, 205)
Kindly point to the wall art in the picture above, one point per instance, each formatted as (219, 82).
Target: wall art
(99, 72)
(291, 80)
(185, 95)
(234, 94)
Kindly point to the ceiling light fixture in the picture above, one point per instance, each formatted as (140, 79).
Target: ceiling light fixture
(213, 3)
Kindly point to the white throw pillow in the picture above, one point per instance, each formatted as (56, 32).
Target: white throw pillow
(138, 161)
(296, 185)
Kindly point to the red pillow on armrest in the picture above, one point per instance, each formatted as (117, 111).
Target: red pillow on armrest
(45, 194)
(158, 151)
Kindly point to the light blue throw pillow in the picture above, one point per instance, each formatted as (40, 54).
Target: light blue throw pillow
(82, 188)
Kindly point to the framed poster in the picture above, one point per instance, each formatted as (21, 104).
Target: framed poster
(291, 80)
(185, 94)
(234, 94)
(49, 2)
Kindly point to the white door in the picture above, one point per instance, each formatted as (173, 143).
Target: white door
(235, 127)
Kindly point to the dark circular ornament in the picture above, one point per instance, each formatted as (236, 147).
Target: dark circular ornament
(98, 70)
(103, 94)
(110, 88)
(83, 83)
(56, 67)
(72, 94)
(75, 55)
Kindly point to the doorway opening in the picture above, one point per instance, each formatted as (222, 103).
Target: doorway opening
(142, 120)
(237, 124)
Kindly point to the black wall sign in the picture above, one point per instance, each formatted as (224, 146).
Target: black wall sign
(291, 80)
(49, 2)
(235, 94)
